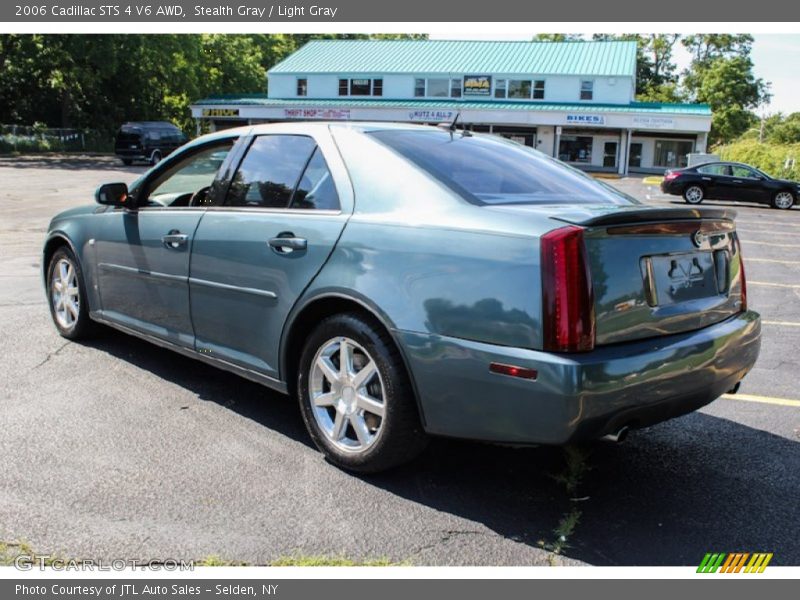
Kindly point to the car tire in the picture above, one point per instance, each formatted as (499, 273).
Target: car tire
(693, 194)
(127, 162)
(783, 200)
(66, 295)
(363, 418)
(155, 157)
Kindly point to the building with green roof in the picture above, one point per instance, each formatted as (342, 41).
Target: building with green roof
(571, 100)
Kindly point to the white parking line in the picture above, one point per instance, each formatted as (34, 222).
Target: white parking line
(762, 399)
(765, 232)
(781, 323)
(750, 259)
(748, 242)
(770, 284)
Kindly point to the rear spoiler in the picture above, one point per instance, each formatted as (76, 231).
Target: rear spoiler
(622, 215)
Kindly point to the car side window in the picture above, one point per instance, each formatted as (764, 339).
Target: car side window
(713, 170)
(270, 171)
(316, 189)
(186, 183)
(743, 172)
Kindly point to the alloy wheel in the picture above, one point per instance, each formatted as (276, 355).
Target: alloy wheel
(65, 294)
(784, 200)
(694, 195)
(347, 395)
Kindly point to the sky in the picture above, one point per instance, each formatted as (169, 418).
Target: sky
(775, 59)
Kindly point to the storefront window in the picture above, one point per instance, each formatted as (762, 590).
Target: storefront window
(538, 89)
(343, 87)
(455, 88)
(500, 88)
(438, 88)
(574, 148)
(419, 88)
(360, 87)
(672, 153)
(377, 87)
(519, 88)
(587, 89)
(302, 87)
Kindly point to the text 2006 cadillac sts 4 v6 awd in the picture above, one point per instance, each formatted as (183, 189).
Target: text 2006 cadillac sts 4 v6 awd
(404, 281)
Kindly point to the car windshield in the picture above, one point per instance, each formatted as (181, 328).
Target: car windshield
(490, 170)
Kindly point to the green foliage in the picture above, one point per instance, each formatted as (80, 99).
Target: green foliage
(769, 157)
(99, 81)
(557, 37)
(656, 79)
(721, 75)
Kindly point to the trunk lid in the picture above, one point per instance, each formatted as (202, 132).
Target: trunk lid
(659, 271)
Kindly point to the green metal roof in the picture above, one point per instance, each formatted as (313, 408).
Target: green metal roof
(609, 59)
(633, 107)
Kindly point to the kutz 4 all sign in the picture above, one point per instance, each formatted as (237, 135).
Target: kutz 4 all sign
(734, 562)
(478, 85)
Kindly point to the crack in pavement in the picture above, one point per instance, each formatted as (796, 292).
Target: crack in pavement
(50, 355)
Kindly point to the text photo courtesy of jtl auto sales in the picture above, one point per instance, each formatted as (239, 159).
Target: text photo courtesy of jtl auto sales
(466, 295)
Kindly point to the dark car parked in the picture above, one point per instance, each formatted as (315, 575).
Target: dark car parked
(729, 181)
(149, 141)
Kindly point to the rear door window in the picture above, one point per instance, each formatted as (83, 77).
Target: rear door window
(270, 172)
(316, 189)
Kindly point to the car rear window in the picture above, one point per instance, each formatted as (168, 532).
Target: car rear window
(490, 170)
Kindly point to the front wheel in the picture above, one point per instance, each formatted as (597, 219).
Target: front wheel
(693, 194)
(155, 158)
(67, 294)
(783, 200)
(356, 398)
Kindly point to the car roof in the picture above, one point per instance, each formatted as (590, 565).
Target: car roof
(723, 162)
(150, 124)
(307, 127)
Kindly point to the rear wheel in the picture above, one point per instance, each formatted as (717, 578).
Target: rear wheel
(67, 294)
(356, 398)
(783, 200)
(155, 158)
(693, 194)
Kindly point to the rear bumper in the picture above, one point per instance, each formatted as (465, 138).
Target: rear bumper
(579, 396)
(670, 187)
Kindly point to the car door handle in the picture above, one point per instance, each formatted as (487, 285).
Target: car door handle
(287, 242)
(174, 239)
(706, 178)
(737, 181)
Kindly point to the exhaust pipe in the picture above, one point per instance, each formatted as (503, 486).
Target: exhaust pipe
(617, 437)
(735, 388)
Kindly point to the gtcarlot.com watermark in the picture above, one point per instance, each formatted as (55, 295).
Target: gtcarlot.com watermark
(25, 562)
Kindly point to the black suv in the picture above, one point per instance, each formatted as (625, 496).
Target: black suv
(147, 140)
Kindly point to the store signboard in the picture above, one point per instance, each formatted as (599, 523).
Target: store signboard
(654, 122)
(220, 112)
(327, 114)
(586, 119)
(432, 116)
(478, 85)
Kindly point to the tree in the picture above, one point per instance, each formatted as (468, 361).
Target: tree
(656, 79)
(557, 37)
(721, 75)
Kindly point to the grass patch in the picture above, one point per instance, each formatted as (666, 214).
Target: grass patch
(300, 560)
(331, 561)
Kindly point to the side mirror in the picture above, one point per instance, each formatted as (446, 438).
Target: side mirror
(112, 194)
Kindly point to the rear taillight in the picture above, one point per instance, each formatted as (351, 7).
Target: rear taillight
(567, 294)
(742, 278)
(670, 175)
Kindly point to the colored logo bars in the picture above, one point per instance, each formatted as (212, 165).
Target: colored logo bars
(734, 562)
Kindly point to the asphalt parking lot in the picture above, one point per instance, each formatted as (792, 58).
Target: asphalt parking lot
(118, 449)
